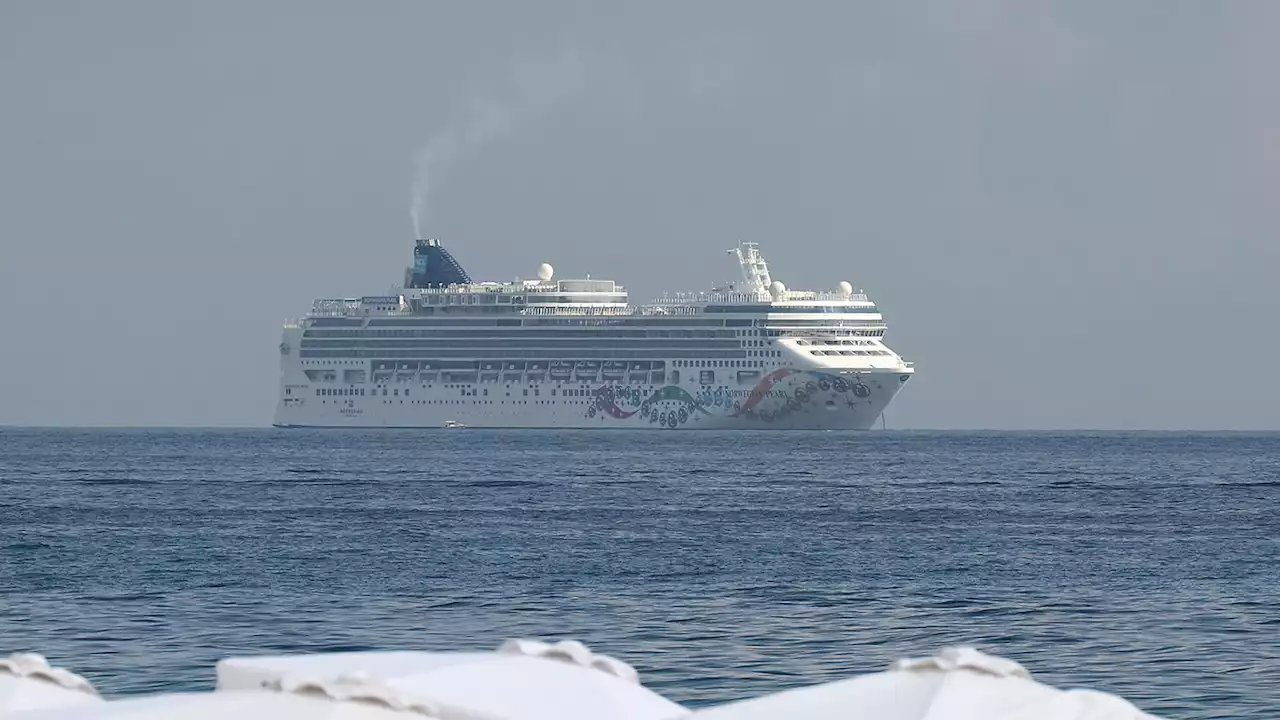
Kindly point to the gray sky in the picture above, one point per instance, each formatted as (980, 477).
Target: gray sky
(1067, 210)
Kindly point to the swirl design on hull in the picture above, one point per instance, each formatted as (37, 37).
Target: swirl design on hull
(671, 406)
(608, 397)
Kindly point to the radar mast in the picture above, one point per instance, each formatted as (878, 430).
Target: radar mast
(755, 271)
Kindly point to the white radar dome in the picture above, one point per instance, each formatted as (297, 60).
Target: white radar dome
(777, 289)
(545, 271)
(846, 289)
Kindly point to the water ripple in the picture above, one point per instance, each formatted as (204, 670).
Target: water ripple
(721, 565)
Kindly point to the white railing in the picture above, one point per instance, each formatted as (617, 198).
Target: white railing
(754, 298)
(825, 295)
(516, 288)
(668, 304)
(669, 309)
(584, 311)
(624, 310)
(344, 307)
(710, 297)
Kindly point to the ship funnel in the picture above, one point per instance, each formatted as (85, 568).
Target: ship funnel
(433, 266)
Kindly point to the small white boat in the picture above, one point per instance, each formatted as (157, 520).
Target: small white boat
(452, 424)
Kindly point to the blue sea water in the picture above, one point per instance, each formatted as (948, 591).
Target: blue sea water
(721, 565)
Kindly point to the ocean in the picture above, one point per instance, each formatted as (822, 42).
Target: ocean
(721, 565)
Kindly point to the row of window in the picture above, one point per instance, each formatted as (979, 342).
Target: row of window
(716, 363)
(454, 344)
(580, 367)
(530, 354)
(529, 334)
(834, 332)
(597, 296)
(384, 370)
(578, 322)
(580, 374)
(771, 309)
(530, 322)
(848, 352)
(590, 367)
(470, 309)
(825, 341)
(657, 376)
(342, 392)
(398, 392)
(464, 381)
(512, 401)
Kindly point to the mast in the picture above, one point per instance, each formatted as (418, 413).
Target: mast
(755, 271)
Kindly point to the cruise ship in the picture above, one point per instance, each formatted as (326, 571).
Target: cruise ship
(444, 351)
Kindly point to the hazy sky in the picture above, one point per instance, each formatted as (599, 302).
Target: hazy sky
(1067, 210)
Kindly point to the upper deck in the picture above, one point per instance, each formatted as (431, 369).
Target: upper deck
(756, 296)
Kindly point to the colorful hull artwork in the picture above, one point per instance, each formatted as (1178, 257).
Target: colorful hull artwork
(776, 396)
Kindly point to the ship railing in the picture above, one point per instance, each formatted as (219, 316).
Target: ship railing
(586, 311)
(710, 297)
(669, 309)
(516, 288)
(353, 308)
(337, 307)
(763, 298)
(825, 295)
(621, 311)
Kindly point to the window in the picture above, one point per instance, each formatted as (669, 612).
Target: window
(707, 377)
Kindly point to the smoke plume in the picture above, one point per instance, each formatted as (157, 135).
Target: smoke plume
(531, 89)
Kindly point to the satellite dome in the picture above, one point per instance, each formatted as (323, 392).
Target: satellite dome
(846, 289)
(777, 289)
(545, 271)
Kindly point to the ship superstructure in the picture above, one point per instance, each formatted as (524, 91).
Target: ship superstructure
(552, 353)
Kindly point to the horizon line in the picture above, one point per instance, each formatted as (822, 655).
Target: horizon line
(749, 432)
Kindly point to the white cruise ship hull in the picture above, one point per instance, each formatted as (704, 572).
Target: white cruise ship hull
(444, 352)
(785, 399)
